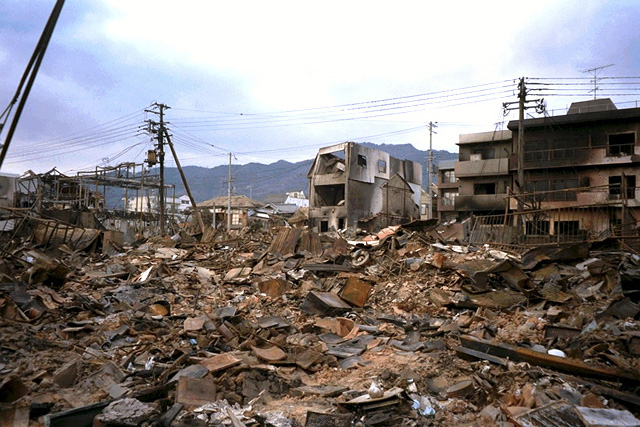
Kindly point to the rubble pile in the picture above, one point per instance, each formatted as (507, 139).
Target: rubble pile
(291, 328)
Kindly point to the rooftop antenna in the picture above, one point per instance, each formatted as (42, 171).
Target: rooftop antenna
(595, 72)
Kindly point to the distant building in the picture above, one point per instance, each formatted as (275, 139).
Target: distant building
(355, 186)
(240, 210)
(297, 198)
(176, 205)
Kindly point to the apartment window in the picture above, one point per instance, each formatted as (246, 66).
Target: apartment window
(621, 144)
(615, 187)
(382, 166)
(362, 160)
(487, 188)
(560, 190)
(537, 228)
(566, 228)
(448, 198)
(448, 177)
(485, 153)
(539, 188)
(536, 150)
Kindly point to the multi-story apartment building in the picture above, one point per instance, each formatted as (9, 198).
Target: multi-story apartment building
(580, 174)
(588, 158)
(355, 186)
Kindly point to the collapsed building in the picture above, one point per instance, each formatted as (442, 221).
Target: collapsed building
(355, 186)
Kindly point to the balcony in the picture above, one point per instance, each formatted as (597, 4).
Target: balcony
(481, 202)
(487, 167)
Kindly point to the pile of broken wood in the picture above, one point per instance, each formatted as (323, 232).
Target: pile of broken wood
(294, 328)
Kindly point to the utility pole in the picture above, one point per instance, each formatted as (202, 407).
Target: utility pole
(250, 187)
(430, 168)
(196, 212)
(522, 105)
(229, 197)
(160, 134)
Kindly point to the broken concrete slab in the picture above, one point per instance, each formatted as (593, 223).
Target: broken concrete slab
(127, 412)
(606, 417)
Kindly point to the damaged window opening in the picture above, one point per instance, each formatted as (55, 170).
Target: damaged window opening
(362, 160)
(382, 166)
(448, 177)
(329, 195)
(324, 226)
(615, 187)
(449, 198)
(486, 188)
(566, 228)
(560, 185)
(341, 223)
(621, 144)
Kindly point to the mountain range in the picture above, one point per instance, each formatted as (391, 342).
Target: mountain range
(270, 182)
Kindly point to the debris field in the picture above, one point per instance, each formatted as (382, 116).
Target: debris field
(286, 327)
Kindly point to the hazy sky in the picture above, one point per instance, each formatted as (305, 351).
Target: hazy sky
(271, 80)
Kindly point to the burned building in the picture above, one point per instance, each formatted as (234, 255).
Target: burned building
(356, 186)
(587, 160)
(580, 177)
(448, 189)
(482, 171)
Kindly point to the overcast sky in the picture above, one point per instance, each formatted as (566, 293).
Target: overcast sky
(270, 80)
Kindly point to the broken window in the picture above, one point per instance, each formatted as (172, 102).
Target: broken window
(448, 177)
(362, 160)
(340, 223)
(324, 226)
(329, 195)
(486, 188)
(331, 163)
(539, 188)
(483, 153)
(536, 150)
(448, 198)
(382, 165)
(561, 190)
(615, 187)
(566, 228)
(537, 227)
(621, 144)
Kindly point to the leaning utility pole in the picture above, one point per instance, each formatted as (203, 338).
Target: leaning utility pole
(27, 80)
(186, 184)
(430, 168)
(160, 134)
